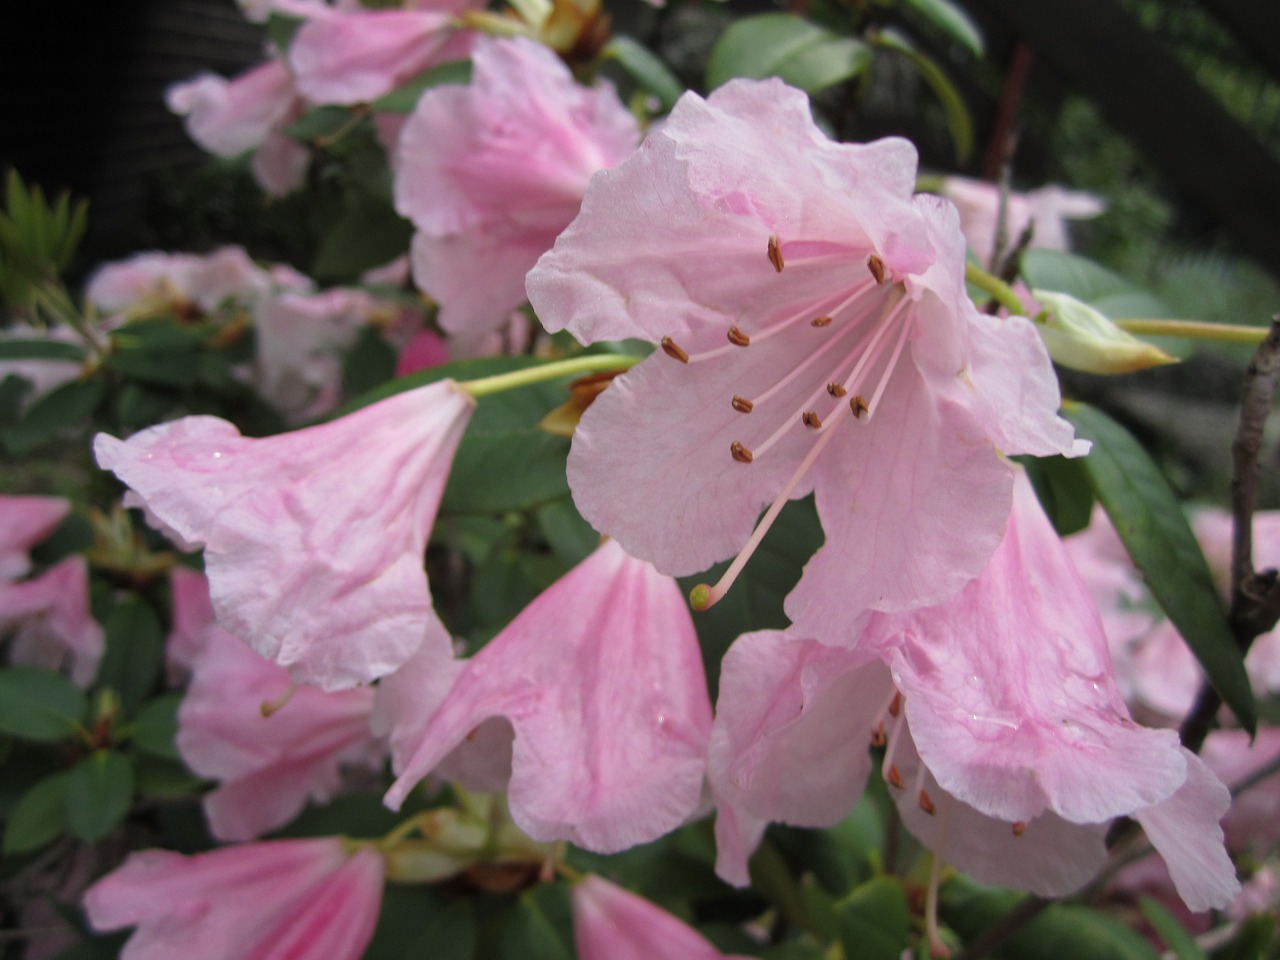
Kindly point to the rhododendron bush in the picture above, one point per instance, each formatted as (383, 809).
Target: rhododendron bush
(653, 527)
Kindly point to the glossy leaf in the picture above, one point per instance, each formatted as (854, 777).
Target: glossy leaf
(959, 123)
(417, 922)
(367, 234)
(99, 794)
(68, 407)
(875, 920)
(156, 725)
(40, 350)
(1175, 936)
(1154, 530)
(38, 704)
(39, 816)
(1106, 292)
(951, 20)
(644, 66)
(135, 652)
(529, 934)
(404, 98)
(783, 45)
(1062, 485)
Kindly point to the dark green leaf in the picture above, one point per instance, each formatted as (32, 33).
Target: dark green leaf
(783, 45)
(403, 99)
(39, 704)
(140, 406)
(571, 538)
(951, 20)
(156, 725)
(646, 69)
(958, 120)
(1253, 940)
(158, 777)
(369, 363)
(134, 654)
(1106, 292)
(40, 816)
(529, 933)
(418, 922)
(67, 407)
(105, 947)
(41, 350)
(1062, 485)
(1174, 934)
(99, 794)
(368, 234)
(319, 123)
(162, 368)
(1154, 530)
(875, 920)
(282, 28)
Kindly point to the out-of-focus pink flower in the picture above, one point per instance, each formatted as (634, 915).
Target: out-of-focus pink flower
(425, 350)
(24, 522)
(341, 57)
(182, 283)
(602, 680)
(268, 766)
(302, 899)
(314, 540)
(42, 375)
(610, 923)
(51, 623)
(490, 173)
(1253, 822)
(192, 615)
(1049, 208)
(816, 337)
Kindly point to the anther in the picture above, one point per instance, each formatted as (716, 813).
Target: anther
(775, 254)
(895, 705)
(672, 349)
(742, 405)
(876, 266)
(926, 804)
(823, 321)
(738, 338)
(1019, 827)
(811, 419)
(740, 453)
(858, 404)
(836, 390)
(878, 739)
(894, 777)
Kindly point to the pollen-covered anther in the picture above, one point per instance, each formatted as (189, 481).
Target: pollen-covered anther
(811, 419)
(876, 266)
(894, 777)
(823, 321)
(926, 803)
(738, 338)
(858, 404)
(1019, 828)
(741, 404)
(878, 738)
(775, 254)
(740, 453)
(895, 705)
(673, 350)
(836, 390)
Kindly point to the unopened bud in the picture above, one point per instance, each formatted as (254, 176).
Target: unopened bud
(1082, 338)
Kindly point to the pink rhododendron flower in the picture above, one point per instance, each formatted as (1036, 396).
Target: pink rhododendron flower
(816, 336)
(490, 173)
(341, 57)
(301, 899)
(314, 540)
(269, 761)
(610, 923)
(24, 522)
(1007, 744)
(1253, 822)
(51, 623)
(425, 350)
(601, 679)
(42, 375)
(192, 616)
(1048, 208)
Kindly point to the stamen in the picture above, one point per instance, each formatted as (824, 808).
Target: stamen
(895, 777)
(740, 453)
(926, 804)
(858, 404)
(268, 707)
(937, 949)
(895, 705)
(811, 420)
(823, 321)
(775, 254)
(671, 349)
(1019, 827)
(877, 736)
(741, 405)
(876, 266)
(836, 390)
(738, 338)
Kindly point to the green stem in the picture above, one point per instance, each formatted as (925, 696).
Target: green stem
(997, 288)
(1221, 332)
(587, 363)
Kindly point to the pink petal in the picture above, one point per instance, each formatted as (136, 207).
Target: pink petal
(24, 522)
(601, 677)
(192, 615)
(1253, 822)
(52, 621)
(230, 117)
(314, 540)
(280, 164)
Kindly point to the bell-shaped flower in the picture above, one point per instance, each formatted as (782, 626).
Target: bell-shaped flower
(314, 540)
(302, 899)
(51, 623)
(24, 522)
(492, 172)
(601, 679)
(610, 923)
(815, 336)
(1047, 210)
(271, 746)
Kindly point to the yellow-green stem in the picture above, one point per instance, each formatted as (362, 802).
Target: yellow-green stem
(997, 288)
(576, 366)
(1195, 329)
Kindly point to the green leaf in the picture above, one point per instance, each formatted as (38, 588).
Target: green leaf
(1174, 934)
(281, 29)
(1063, 488)
(1154, 530)
(1106, 292)
(319, 123)
(783, 45)
(645, 67)
(404, 98)
(156, 725)
(40, 350)
(571, 538)
(135, 652)
(368, 234)
(40, 816)
(67, 407)
(1253, 941)
(875, 920)
(157, 777)
(165, 368)
(958, 120)
(38, 704)
(99, 794)
(417, 922)
(529, 934)
(369, 363)
(951, 20)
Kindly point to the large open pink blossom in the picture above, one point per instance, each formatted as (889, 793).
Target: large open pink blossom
(816, 336)
(602, 680)
(301, 899)
(24, 522)
(492, 172)
(314, 540)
